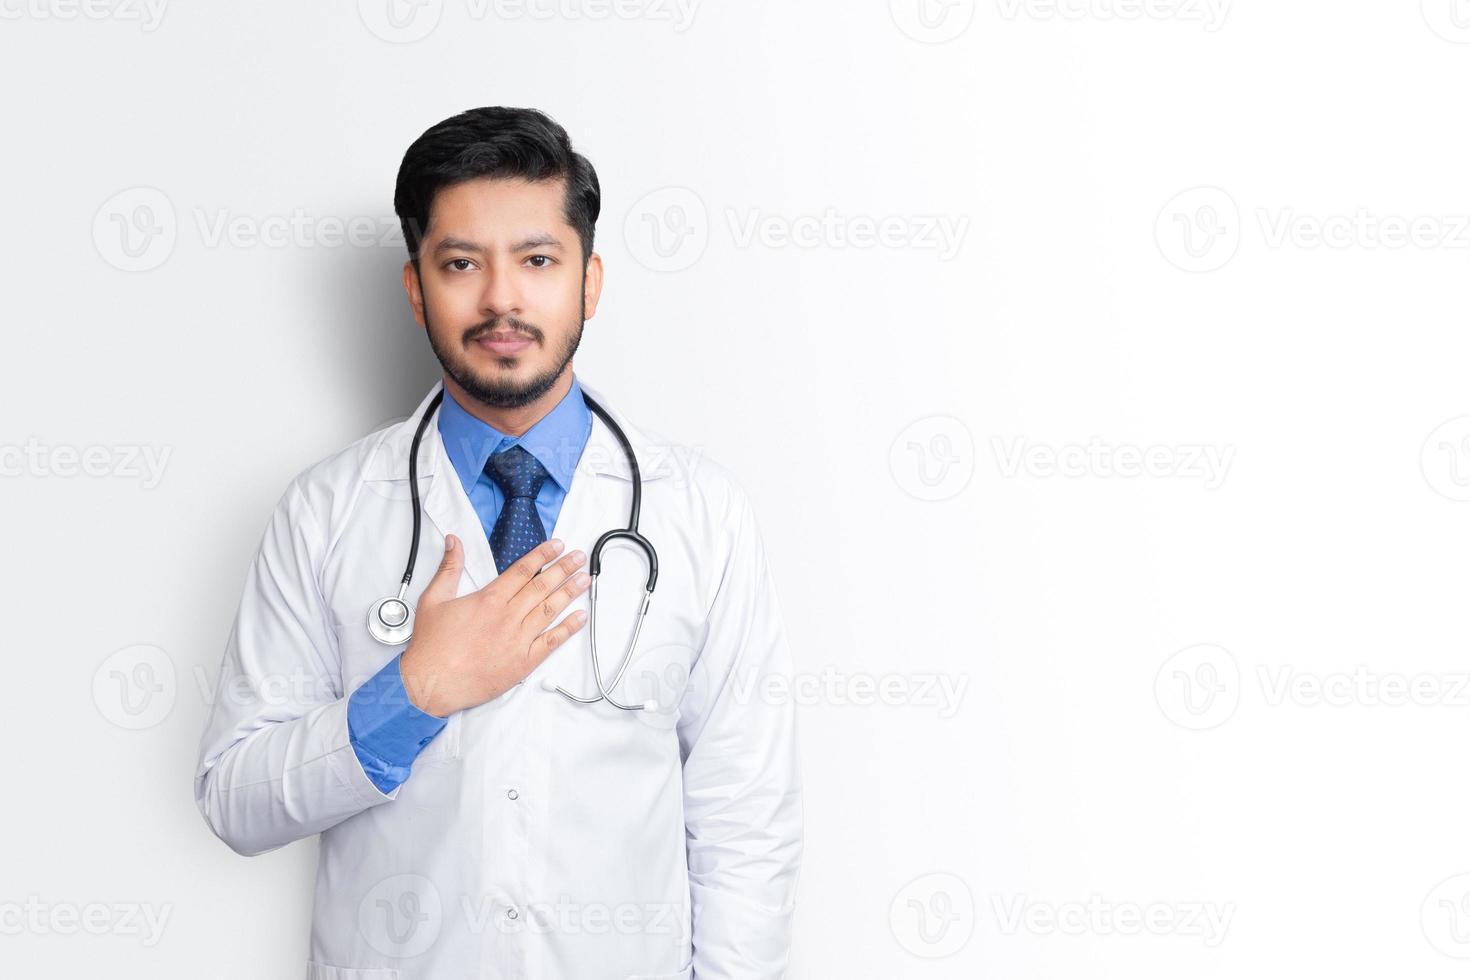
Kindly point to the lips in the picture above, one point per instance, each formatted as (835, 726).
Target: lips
(504, 344)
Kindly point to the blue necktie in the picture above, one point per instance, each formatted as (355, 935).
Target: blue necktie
(517, 529)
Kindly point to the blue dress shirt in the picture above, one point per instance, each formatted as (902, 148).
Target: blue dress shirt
(386, 729)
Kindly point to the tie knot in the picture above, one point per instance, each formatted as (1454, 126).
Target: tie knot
(516, 472)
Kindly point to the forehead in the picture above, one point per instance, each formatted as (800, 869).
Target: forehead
(487, 207)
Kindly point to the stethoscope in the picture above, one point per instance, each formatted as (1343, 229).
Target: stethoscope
(390, 620)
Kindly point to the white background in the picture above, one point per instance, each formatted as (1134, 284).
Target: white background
(1227, 700)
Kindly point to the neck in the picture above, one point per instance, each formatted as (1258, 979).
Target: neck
(512, 421)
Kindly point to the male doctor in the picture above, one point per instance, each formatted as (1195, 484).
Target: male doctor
(475, 821)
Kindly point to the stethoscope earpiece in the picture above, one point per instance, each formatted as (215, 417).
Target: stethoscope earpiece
(390, 619)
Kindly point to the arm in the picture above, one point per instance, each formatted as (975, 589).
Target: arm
(387, 730)
(742, 784)
(276, 761)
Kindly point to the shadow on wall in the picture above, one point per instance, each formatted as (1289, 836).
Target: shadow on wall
(378, 356)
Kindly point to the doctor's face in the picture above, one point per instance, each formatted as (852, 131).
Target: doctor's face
(500, 287)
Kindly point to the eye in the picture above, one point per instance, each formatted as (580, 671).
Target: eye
(454, 264)
(546, 258)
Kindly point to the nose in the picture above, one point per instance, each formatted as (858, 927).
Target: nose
(501, 295)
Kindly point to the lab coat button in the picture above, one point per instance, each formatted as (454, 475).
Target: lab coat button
(511, 913)
(513, 794)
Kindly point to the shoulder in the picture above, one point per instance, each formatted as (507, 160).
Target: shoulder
(323, 493)
(688, 475)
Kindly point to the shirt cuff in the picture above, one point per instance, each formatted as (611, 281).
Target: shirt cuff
(386, 729)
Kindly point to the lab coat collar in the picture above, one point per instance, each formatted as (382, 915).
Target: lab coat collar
(602, 456)
(586, 511)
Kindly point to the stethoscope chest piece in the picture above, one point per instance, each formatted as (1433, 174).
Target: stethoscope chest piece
(390, 621)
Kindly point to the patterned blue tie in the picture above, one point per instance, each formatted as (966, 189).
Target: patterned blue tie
(518, 529)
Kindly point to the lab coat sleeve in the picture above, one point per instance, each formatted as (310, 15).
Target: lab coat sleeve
(742, 782)
(276, 762)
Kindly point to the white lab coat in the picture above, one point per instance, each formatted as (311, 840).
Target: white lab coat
(535, 838)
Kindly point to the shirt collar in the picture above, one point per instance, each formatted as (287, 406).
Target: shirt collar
(556, 440)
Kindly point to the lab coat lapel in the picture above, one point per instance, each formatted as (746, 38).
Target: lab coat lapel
(587, 511)
(450, 510)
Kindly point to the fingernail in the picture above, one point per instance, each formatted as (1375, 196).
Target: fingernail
(582, 579)
(449, 543)
(556, 544)
(578, 556)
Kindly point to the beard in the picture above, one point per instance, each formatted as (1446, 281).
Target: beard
(504, 392)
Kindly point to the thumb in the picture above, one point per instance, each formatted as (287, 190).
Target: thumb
(445, 583)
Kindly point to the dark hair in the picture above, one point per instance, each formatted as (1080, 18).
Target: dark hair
(494, 141)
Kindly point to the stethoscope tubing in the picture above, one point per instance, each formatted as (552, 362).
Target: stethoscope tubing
(594, 565)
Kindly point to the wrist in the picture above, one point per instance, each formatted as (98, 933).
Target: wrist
(421, 690)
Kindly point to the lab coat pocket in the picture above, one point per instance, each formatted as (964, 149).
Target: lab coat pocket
(321, 971)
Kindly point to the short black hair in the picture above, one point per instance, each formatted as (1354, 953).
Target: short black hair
(494, 141)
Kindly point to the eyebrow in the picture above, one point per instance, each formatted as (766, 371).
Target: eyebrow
(537, 240)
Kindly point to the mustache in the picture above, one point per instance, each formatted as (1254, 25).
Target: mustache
(511, 323)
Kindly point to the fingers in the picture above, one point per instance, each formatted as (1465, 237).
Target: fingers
(524, 568)
(556, 600)
(445, 583)
(543, 645)
(548, 579)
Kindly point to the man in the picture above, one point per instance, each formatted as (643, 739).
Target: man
(474, 824)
